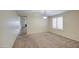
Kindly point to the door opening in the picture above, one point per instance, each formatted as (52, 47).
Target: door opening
(23, 22)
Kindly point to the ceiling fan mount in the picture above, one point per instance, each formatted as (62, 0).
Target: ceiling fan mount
(44, 16)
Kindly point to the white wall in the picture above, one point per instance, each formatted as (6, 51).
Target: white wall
(37, 24)
(9, 28)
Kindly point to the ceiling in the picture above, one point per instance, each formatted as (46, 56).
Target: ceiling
(47, 12)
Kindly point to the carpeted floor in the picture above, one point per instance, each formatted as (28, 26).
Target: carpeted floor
(44, 40)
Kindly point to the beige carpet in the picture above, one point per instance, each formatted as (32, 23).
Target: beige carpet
(44, 40)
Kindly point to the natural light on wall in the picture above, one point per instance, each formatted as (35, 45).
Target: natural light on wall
(57, 23)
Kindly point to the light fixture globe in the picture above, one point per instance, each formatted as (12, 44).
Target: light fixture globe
(44, 14)
(44, 17)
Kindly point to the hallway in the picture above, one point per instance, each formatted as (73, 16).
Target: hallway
(44, 40)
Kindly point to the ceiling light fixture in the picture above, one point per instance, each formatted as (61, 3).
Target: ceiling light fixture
(44, 17)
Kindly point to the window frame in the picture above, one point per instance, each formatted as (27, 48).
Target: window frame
(56, 23)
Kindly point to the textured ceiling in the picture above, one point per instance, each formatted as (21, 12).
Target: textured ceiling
(47, 12)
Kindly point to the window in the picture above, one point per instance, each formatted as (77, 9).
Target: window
(54, 23)
(58, 23)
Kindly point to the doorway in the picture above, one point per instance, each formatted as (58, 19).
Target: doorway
(23, 22)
